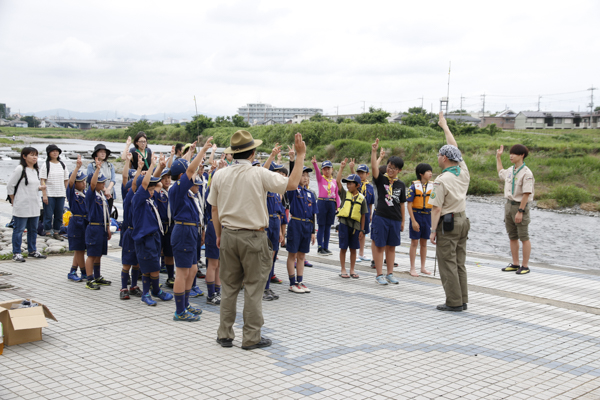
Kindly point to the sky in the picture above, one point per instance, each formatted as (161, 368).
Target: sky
(148, 57)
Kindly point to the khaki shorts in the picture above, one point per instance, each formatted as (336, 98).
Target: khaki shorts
(516, 231)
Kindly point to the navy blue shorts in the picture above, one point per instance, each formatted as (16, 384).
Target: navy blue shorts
(148, 253)
(76, 233)
(347, 238)
(184, 241)
(128, 255)
(96, 240)
(165, 241)
(298, 236)
(326, 212)
(210, 242)
(424, 221)
(273, 231)
(385, 231)
(367, 222)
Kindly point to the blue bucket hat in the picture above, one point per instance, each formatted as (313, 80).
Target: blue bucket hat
(166, 171)
(80, 176)
(363, 168)
(352, 178)
(101, 178)
(307, 169)
(275, 167)
(326, 164)
(179, 166)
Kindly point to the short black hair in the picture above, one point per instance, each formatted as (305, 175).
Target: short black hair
(396, 162)
(178, 147)
(152, 184)
(284, 171)
(422, 168)
(138, 137)
(519, 150)
(175, 177)
(243, 155)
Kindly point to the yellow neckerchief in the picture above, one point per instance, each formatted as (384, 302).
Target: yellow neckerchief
(363, 188)
(329, 180)
(391, 187)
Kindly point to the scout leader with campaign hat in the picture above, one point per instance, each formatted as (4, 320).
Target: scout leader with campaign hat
(78, 221)
(366, 189)
(328, 203)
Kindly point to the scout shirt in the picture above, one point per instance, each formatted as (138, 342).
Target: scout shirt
(523, 183)
(367, 190)
(450, 191)
(389, 199)
(363, 210)
(274, 205)
(127, 210)
(146, 217)
(161, 199)
(240, 194)
(76, 201)
(183, 206)
(302, 204)
(97, 207)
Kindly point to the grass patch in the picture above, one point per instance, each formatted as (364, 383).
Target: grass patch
(568, 196)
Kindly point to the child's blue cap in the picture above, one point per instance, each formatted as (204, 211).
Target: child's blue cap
(255, 163)
(307, 169)
(275, 167)
(101, 178)
(352, 178)
(166, 171)
(80, 176)
(153, 179)
(362, 168)
(198, 181)
(132, 173)
(179, 166)
(326, 164)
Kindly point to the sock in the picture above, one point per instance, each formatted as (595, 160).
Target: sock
(83, 273)
(145, 284)
(90, 278)
(292, 280)
(217, 289)
(170, 271)
(210, 286)
(320, 234)
(194, 283)
(124, 279)
(162, 261)
(155, 286)
(96, 270)
(299, 278)
(179, 303)
(73, 269)
(187, 298)
(135, 275)
(326, 235)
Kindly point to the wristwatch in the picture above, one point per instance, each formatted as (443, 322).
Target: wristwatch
(521, 210)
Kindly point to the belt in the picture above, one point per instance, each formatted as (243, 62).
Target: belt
(303, 220)
(187, 223)
(244, 229)
(99, 223)
(325, 198)
(460, 214)
(422, 211)
(77, 215)
(130, 227)
(273, 216)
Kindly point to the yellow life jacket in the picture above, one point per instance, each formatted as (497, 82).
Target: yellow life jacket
(421, 201)
(351, 207)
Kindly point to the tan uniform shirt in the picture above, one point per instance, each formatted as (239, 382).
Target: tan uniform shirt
(524, 182)
(450, 191)
(240, 194)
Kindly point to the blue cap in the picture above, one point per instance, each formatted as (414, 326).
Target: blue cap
(307, 169)
(326, 164)
(132, 173)
(80, 176)
(255, 163)
(179, 166)
(153, 179)
(166, 171)
(198, 181)
(275, 167)
(352, 178)
(362, 168)
(101, 178)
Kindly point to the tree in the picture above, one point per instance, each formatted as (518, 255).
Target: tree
(156, 124)
(597, 108)
(32, 121)
(198, 124)
(417, 110)
(319, 118)
(374, 116)
(415, 120)
(458, 112)
(140, 126)
(238, 121)
(223, 122)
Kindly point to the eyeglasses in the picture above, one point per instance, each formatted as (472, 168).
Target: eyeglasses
(392, 168)
(142, 141)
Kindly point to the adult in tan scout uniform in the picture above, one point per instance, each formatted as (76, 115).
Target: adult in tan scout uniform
(449, 223)
(518, 191)
(238, 196)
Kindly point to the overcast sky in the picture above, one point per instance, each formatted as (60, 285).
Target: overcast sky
(148, 57)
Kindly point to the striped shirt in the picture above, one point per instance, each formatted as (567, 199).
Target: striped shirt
(55, 180)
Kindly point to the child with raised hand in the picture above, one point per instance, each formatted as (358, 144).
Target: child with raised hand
(366, 189)
(328, 202)
(212, 253)
(352, 218)
(78, 221)
(419, 211)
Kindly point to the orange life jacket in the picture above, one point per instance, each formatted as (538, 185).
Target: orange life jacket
(421, 201)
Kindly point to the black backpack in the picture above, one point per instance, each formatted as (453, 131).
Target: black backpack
(48, 166)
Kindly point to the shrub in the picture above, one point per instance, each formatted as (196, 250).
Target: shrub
(568, 196)
(481, 186)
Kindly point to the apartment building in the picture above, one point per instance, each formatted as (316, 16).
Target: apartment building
(258, 113)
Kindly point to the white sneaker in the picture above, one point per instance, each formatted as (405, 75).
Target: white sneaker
(366, 258)
(303, 286)
(296, 289)
(18, 257)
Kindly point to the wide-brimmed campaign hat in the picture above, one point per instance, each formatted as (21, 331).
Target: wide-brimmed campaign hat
(242, 141)
(352, 178)
(99, 147)
(52, 147)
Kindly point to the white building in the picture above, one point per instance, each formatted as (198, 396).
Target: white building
(260, 112)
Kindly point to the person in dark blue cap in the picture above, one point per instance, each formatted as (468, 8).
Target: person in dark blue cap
(352, 218)
(78, 221)
(366, 189)
(97, 233)
(211, 251)
(162, 202)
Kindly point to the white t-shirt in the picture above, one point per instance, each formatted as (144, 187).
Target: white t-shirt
(55, 180)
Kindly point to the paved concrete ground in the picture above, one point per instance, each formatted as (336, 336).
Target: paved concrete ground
(524, 337)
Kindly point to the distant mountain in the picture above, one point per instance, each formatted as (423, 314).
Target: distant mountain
(111, 114)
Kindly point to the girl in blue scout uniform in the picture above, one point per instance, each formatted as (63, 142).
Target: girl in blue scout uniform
(184, 238)
(211, 251)
(198, 196)
(162, 203)
(301, 230)
(352, 219)
(128, 256)
(419, 211)
(327, 205)
(78, 221)
(97, 233)
(147, 229)
(274, 232)
(366, 189)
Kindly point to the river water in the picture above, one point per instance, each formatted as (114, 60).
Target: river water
(557, 239)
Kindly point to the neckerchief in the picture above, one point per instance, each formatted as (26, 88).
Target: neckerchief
(363, 188)
(454, 170)
(197, 202)
(329, 184)
(151, 202)
(79, 192)
(144, 157)
(391, 187)
(163, 190)
(514, 176)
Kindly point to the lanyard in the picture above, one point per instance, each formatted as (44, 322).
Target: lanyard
(391, 187)
(329, 180)
(151, 202)
(168, 205)
(454, 170)
(514, 176)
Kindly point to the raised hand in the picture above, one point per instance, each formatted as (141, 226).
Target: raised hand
(98, 164)
(193, 147)
(351, 164)
(207, 145)
(162, 161)
(172, 150)
(128, 141)
(375, 145)
(291, 153)
(299, 145)
(276, 150)
(140, 164)
(500, 151)
(442, 122)
(343, 163)
(129, 157)
(314, 159)
(382, 153)
(79, 162)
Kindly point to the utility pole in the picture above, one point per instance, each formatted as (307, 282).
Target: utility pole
(422, 102)
(539, 101)
(592, 99)
(483, 111)
(448, 94)
(337, 111)
(461, 100)
(363, 106)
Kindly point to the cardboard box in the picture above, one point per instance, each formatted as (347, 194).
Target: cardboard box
(23, 325)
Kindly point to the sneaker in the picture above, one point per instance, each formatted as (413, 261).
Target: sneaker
(92, 285)
(264, 342)
(37, 254)
(170, 282)
(322, 252)
(381, 280)
(193, 310)
(102, 281)
(58, 237)
(129, 281)
(328, 251)
(196, 292)
(364, 258)
(146, 298)
(164, 296)
(307, 264)
(214, 300)
(73, 277)
(225, 342)
(267, 296)
(392, 279)
(200, 274)
(296, 289)
(135, 291)
(511, 268)
(218, 296)
(275, 296)
(275, 279)
(373, 264)
(522, 271)
(124, 294)
(83, 277)
(303, 286)
(18, 257)
(186, 316)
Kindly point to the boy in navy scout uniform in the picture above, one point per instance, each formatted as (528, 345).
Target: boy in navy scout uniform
(301, 230)
(366, 189)
(128, 256)
(184, 238)
(78, 221)
(97, 233)
(198, 196)
(352, 218)
(147, 229)
(211, 251)
(162, 203)
(419, 211)
(274, 232)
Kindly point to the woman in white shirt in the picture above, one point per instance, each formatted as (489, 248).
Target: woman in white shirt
(23, 189)
(54, 175)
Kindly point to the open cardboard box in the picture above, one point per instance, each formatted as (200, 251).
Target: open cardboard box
(23, 325)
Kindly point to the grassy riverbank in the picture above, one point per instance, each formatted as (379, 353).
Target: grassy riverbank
(566, 163)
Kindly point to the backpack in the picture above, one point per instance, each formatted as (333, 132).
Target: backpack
(23, 175)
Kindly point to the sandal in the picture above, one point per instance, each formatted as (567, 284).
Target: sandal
(345, 276)
(354, 276)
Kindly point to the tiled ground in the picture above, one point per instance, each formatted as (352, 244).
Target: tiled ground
(348, 339)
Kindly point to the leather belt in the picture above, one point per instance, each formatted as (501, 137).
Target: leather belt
(325, 198)
(99, 223)
(244, 229)
(303, 220)
(77, 215)
(187, 223)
